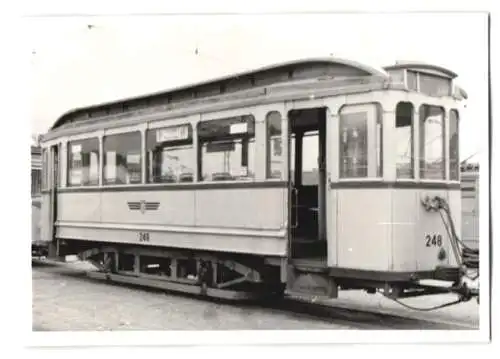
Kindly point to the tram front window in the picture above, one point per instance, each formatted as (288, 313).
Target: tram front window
(432, 141)
(404, 140)
(454, 146)
(360, 142)
(354, 146)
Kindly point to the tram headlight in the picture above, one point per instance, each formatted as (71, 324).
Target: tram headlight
(442, 254)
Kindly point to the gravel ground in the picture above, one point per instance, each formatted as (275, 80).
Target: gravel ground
(466, 313)
(62, 303)
(70, 302)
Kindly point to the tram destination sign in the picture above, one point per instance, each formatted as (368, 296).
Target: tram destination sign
(172, 134)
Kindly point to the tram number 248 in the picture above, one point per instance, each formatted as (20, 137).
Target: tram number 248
(433, 240)
(143, 237)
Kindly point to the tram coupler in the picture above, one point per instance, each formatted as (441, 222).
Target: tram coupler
(418, 290)
(465, 292)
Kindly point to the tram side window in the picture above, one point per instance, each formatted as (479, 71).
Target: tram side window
(274, 155)
(36, 176)
(432, 140)
(83, 162)
(170, 154)
(454, 146)
(361, 142)
(404, 140)
(122, 158)
(227, 149)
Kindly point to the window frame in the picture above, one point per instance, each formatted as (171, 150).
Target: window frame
(421, 139)
(69, 162)
(102, 174)
(412, 80)
(413, 157)
(375, 140)
(45, 169)
(36, 182)
(200, 142)
(149, 180)
(430, 84)
(57, 165)
(449, 159)
(283, 155)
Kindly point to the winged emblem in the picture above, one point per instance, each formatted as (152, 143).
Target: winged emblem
(143, 206)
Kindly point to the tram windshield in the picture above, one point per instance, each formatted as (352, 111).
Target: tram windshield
(360, 142)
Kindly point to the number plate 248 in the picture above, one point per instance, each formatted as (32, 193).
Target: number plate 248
(143, 237)
(433, 240)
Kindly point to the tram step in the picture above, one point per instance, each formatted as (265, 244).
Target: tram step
(315, 284)
(308, 248)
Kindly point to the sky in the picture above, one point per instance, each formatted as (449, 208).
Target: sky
(75, 66)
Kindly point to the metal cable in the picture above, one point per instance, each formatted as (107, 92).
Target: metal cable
(469, 257)
(424, 309)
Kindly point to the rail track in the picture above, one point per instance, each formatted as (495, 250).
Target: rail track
(298, 307)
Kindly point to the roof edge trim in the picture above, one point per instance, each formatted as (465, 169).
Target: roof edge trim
(369, 70)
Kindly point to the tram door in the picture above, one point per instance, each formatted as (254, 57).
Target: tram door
(307, 178)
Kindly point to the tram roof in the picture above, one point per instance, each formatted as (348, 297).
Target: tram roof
(419, 66)
(364, 69)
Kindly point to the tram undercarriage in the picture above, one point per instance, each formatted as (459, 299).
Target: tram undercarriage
(219, 275)
(242, 277)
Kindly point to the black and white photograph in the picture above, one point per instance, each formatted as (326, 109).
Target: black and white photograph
(293, 173)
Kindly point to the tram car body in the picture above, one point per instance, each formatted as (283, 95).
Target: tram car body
(39, 247)
(309, 177)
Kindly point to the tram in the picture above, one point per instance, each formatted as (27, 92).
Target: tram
(305, 177)
(39, 247)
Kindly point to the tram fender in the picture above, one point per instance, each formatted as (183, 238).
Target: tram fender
(315, 284)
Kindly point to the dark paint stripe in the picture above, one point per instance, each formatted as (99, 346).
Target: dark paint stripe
(468, 189)
(382, 276)
(374, 275)
(250, 185)
(178, 187)
(393, 185)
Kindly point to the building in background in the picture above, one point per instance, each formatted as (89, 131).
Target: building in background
(36, 172)
(470, 204)
(36, 189)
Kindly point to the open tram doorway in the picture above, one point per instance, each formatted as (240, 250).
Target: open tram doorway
(307, 179)
(51, 181)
